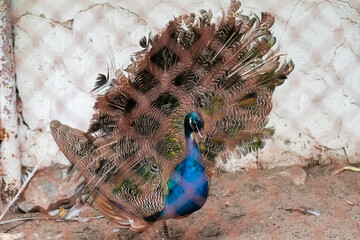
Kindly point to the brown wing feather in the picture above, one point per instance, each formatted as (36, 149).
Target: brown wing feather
(121, 218)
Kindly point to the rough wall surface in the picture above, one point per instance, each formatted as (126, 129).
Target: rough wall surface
(10, 166)
(61, 47)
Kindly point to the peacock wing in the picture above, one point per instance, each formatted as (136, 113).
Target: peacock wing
(124, 169)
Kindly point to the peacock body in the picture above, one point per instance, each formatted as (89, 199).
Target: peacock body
(140, 157)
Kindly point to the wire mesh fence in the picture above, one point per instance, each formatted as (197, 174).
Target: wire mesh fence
(60, 47)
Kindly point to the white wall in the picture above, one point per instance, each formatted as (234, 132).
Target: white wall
(61, 46)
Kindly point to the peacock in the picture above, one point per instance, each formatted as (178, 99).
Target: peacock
(195, 92)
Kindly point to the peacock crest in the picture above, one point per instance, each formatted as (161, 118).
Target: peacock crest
(225, 71)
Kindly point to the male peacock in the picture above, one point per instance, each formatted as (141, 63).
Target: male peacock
(139, 158)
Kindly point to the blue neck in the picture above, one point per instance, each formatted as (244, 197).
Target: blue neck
(188, 185)
(188, 136)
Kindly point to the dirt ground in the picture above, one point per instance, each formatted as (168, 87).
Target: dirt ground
(258, 204)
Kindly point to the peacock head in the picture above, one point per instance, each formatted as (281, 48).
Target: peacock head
(194, 123)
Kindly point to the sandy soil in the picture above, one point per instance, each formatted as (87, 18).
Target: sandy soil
(259, 204)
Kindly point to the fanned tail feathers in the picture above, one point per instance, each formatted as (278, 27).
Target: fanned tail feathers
(227, 71)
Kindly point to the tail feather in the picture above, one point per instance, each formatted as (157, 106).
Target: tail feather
(227, 71)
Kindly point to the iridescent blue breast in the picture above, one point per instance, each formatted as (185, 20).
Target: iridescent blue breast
(188, 186)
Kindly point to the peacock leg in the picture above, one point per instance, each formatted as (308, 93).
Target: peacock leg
(166, 230)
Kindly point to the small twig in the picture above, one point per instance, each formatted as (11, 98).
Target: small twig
(48, 218)
(12, 228)
(303, 210)
(350, 168)
(82, 219)
(21, 189)
(23, 219)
